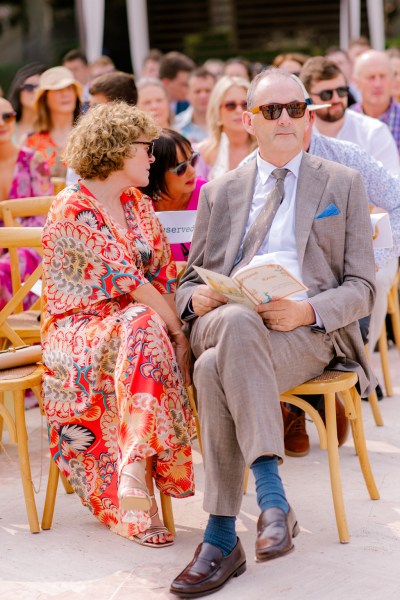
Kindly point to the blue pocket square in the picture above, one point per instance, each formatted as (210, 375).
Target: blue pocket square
(330, 211)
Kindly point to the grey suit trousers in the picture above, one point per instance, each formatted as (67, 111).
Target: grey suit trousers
(241, 367)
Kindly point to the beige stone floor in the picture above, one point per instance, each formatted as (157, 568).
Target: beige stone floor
(78, 559)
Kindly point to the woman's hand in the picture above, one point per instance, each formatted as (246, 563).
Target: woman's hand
(182, 352)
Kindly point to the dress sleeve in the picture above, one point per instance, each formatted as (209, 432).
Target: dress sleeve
(83, 261)
(161, 269)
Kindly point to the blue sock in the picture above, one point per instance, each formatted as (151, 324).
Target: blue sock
(269, 488)
(221, 532)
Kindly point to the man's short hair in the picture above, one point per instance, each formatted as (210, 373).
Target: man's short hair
(153, 54)
(76, 54)
(115, 86)
(318, 68)
(174, 62)
(202, 73)
(334, 49)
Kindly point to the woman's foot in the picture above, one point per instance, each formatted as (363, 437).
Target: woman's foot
(133, 492)
(161, 536)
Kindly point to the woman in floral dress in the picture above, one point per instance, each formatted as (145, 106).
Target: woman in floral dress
(23, 173)
(117, 410)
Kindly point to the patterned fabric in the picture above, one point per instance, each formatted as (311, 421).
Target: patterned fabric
(391, 117)
(31, 178)
(112, 391)
(43, 143)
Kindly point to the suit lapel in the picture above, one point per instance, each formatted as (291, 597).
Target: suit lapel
(310, 189)
(239, 195)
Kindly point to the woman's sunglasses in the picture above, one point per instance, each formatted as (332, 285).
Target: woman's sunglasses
(182, 167)
(8, 117)
(233, 105)
(29, 87)
(326, 95)
(271, 112)
(150, 147)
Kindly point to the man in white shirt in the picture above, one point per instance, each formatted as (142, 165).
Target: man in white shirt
(245, 357)
(192, 122)
(325, 82)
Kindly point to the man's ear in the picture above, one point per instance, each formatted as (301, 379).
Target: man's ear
(309, 119)
(247, 122)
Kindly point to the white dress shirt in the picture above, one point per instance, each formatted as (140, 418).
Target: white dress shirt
(279, 245)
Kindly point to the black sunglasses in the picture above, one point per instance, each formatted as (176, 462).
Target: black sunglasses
(326, 95)
(182, 167)
(150, 147)
(233, 105)
(29, 87)
(271, 112)
(8, 117)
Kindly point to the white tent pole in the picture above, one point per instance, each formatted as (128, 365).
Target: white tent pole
(355, 19)
(93, 17)
(344, 24)
(376, 24)
(138, 33)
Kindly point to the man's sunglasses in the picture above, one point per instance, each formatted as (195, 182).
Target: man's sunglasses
(182, 167)
(150, 147)
(29, 87)
(231, 106)
(271, 112)
(8, 117)
(326, 95)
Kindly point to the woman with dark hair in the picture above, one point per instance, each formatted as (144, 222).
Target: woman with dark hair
(22, 97)
(58, 102)
(173, 184)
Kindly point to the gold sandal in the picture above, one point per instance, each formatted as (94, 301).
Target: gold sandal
(151, 532)
(136, 497)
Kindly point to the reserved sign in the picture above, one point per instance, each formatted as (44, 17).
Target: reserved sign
(178, 225)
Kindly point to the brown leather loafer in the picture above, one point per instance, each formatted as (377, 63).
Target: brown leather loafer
(275, 530)
(297, 442)
(209, 571)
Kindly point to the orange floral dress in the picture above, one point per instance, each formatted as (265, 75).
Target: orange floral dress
(43, 142)
(112, 391)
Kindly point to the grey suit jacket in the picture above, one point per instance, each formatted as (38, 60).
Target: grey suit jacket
(334, 246)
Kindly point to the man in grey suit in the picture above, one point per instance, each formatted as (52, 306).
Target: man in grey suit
(311, 216)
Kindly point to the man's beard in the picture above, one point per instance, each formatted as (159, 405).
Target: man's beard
(330, 117)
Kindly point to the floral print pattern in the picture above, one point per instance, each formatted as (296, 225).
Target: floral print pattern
(43, 143)
(112, 391)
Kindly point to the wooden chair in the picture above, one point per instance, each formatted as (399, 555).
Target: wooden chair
(58, 183)
(328, 384)
(26, 323)
(394, 312)
(19, 379)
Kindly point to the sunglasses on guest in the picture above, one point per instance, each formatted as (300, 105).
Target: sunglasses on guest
(271, 112)
(8, 117)
(182, 167)
(326, 95)
(150, 147)
(29, 87)
(231, 106)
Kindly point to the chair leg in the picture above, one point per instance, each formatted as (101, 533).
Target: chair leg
(373, 402)
(67, 486)
(51, 493)
(24, 463)
(361, 447)
(395, 313)
(383, 351)
(334, 468)
(168, 515)
(246, 480)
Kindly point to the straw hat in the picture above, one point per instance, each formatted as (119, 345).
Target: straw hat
(57, 78)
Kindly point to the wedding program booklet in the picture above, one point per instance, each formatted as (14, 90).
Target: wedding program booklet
(253, 285)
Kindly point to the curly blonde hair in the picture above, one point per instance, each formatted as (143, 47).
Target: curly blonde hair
(103, 138)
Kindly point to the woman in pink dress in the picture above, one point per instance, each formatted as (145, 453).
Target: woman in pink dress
(173, 184)
(118, 414)
(23, 173)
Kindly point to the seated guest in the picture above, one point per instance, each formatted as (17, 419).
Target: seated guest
(22, 97)
(192, 122)
(291, 62)
(245, 357)
(238, 67)
(394, 57)
(23, 173)
(173, 184)
(75, 61)
(100, 66)
(153, 99)
(58, 102)
(228, 142)
(113, 394)
(151, 64)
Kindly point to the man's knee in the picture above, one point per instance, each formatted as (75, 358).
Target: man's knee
(240, 318)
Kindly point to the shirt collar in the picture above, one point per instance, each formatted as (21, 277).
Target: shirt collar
(265, 168)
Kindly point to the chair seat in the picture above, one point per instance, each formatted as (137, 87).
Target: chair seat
(25, 319)
(330, 380)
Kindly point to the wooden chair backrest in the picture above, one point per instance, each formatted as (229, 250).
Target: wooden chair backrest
(14, 238)
(10, 212)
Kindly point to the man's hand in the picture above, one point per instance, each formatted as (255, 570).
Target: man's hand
(204, 299)
(286, 314)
